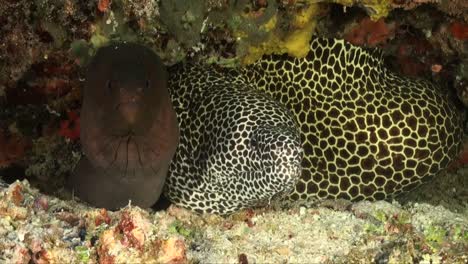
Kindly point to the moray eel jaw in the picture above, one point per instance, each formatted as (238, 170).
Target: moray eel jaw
(129, 130)
(108, 189)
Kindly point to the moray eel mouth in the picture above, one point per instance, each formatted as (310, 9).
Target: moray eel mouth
(127, 148)
(126, 154)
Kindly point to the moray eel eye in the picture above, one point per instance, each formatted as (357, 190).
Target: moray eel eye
(253, 142)
(109, 85)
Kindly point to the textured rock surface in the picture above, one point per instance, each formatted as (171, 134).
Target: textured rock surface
(43, 228)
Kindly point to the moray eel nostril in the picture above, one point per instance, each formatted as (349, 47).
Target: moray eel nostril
(128, 134)
(129, 111)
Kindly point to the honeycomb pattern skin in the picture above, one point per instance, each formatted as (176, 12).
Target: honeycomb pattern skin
(366, 132)
(238, 147)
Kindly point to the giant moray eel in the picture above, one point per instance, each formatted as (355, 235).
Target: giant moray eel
(366, 132)
(129, 130)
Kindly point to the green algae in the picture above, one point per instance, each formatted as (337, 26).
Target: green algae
(435, 235)
(460, 234)
(83, 253)
(177, 227)
(183, 19)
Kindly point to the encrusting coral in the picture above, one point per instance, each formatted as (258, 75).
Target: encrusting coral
(267, 29)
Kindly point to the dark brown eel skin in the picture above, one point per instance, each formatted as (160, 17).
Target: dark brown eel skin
(129, 130)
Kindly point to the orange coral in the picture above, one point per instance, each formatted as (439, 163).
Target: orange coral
(126, 227)
(459, 30)
(107, 242)
(370, 33)
(103, 5)
(21, 255)
(16, 195)
(173, 251)
(70, 128)
(132, 236)
(102, 217)
(414, 56)
(436, 68)
(11, 205)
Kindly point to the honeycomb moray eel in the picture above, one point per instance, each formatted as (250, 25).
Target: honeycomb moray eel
(238, 146)
(366, 132)
(129, 130)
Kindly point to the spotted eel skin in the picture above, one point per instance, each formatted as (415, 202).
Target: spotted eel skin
(367, 133)
(238, 148)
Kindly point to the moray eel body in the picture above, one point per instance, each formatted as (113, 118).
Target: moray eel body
(238, 147)
(129, 130)
(366, 132)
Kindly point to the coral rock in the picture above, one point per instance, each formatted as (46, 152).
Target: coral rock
(459, 30)
(102, 217)
(22, 255)
(104, 5)
(135, 228)
(12, 148)
(370, 33)
(173, 251)
(70, 128)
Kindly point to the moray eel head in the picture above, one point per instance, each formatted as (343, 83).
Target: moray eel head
(127, 87)
(129, 130)
(276, 150)
(239, 148)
